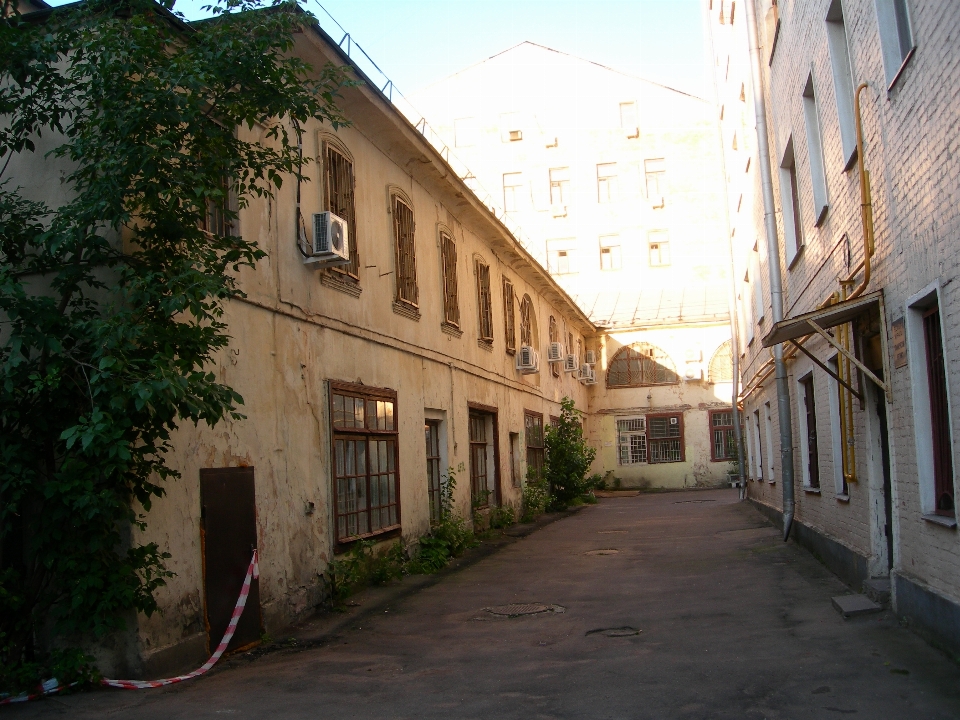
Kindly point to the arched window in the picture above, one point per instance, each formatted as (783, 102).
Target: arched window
(554, 338)
(721, 364)
(527, 322)
(641, 364)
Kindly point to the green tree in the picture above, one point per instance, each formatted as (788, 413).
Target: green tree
(111, 304)
(568, 457)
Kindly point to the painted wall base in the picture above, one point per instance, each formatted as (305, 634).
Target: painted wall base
(928, 613)
(849, 566)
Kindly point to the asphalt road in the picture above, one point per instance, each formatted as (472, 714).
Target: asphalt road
(693, 608)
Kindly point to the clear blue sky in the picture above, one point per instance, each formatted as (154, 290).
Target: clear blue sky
(417, 42)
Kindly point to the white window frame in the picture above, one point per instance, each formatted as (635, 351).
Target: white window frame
(897, 43)
(917, 363)
(843, 85)
(792, 225)
(768, 434)
(758, 458)
(818, 178)
(757, 285)
(624, 436)
(802, 427)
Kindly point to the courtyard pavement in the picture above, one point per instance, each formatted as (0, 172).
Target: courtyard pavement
(672, 605)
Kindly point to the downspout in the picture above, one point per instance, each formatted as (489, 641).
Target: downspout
(731, 289)
(773, 266)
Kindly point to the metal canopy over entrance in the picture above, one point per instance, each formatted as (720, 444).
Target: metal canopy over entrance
(818, 321)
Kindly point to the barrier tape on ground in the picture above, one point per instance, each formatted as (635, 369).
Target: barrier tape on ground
(50, 687)
(253, 572)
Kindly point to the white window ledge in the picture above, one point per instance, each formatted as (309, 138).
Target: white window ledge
(842, 498)
(947, 522)
(812, 490)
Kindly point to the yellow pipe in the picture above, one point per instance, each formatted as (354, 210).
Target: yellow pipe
(866, 201)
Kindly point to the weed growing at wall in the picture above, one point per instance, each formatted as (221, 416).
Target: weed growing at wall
(568, 458)
(112, 303)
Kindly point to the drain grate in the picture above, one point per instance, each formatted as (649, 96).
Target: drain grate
(603, 551)
(615, 632)
(521, 609)
(611, 532)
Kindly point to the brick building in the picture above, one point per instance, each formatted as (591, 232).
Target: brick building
(869, 304)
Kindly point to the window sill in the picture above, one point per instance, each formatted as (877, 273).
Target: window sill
(771, 482)
(451, 329)
(812, 490)
(406, 310)
(943, 520)
(899, 73)
(344, 545)
(842, 498)
(346, 285)
(485, 344)
(792, 263)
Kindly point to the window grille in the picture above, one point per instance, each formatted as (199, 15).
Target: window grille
(215, 220)
(451, 305)
(484, 302)
(479, 471)
(339, 199)
(723, 445)
(533, 427)
(665, 438)
(406, 252)
(632, 440)
(641, 364)
(721, 364)
(366, 477)
(509, 317)
(432, 433)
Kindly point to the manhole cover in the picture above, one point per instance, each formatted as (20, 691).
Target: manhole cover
(520, 609)
(606, 551)
(615, 632)
(681, 502)
(611, 532)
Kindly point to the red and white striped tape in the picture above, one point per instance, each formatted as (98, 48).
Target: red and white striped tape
(49, 687)
(253, 572)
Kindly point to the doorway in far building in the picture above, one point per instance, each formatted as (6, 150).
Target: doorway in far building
(484, 468)
(228, 535)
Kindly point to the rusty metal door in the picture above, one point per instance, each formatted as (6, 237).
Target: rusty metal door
(228, 532)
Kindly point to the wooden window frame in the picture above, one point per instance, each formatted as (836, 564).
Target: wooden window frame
(509, 317)
(404, 233)
(484, 302)
(808, 406)
(342, 433)
(652, 440)
(938, 389)
(527, 320)
(713, 428)
(448, 260)
(634, 348)
(341, 201)
(539, 453)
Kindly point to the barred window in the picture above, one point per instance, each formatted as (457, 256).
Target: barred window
(665, 438)
(451, 305)
(723, 445)
(554, 338)
(365, 475)
(432, 434)
(641, 364)
(339, 199)
(632, 440)
(526, 321)
(217, 220)
(484, 302)
(404, 227)
(479, 467)
(509, 317)
(533, 432)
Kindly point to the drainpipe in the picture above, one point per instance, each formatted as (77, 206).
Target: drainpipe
(731, 289)
(773, 265)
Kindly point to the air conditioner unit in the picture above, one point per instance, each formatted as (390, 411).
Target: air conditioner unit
(555, 353)
(331, 241)
(694, 371)
(587, 375)
(590, 357)
(570, 363)
(528, 360)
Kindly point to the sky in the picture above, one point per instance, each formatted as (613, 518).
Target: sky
(418, 42)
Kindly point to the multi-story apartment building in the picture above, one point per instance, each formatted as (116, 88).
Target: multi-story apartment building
(615, 184)
(859, 230)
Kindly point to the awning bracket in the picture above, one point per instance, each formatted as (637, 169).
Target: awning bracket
(849, 356)
(828, 370)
